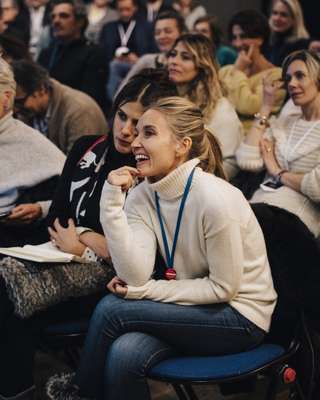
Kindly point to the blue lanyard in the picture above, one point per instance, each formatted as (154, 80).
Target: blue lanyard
(170, 257)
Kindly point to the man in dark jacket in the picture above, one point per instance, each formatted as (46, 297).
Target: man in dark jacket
(124, 41)
(70, 58)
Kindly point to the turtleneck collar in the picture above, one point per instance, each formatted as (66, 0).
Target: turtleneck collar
(173, 185)
(5, 121)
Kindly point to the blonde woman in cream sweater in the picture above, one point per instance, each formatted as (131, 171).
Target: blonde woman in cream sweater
(216, 295)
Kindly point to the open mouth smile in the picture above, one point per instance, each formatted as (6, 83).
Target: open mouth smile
(141, 157)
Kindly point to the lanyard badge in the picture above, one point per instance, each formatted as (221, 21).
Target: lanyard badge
(171, 272)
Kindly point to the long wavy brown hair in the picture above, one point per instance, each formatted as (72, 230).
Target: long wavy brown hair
(205, 89)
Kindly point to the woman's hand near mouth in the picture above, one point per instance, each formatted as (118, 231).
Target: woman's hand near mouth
(123, 177)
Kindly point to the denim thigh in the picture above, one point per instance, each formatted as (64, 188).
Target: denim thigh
(189, 330)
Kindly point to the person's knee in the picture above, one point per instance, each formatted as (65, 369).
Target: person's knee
(107, 310)
(134, 353)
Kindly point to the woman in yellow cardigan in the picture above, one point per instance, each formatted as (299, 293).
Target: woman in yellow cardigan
(249, 33)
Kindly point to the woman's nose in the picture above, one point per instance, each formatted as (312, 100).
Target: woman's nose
(292, 82)
(136, 142)
(127, 129)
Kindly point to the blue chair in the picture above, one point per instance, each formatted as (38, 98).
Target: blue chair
(68, 336)
(275, 359)
(269, 359)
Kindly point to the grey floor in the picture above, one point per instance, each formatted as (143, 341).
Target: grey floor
(49, 363)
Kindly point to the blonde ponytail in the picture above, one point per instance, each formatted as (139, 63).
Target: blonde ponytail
(186, 120)
(211, 159)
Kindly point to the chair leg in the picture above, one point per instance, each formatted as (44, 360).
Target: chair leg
(273, 386)
(180, 391)
(191, 393)
(72, 354)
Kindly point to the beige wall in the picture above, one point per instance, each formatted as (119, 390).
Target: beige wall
(224, 9)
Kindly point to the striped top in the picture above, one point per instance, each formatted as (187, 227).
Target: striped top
(297, 149)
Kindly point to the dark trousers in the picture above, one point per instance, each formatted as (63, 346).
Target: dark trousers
(294, 256)
(19, 337)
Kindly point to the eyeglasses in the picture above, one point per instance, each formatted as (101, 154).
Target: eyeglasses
(20, 101)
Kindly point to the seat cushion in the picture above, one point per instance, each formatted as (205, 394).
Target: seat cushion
(215, 367)
(68, 328)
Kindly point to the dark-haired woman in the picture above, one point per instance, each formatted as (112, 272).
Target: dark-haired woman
(75, 228)
(249, 33)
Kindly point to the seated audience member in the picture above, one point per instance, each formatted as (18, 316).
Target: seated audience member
(61, 113)
(70, 59)
(168, 26)
(243, 81)
(208, 27)
(30, 166)
(287, 29)
(191, 10)
(150, 9)
(12, 48)
(124, 41)
(289, 151)
(39, 25)
(192, 68)
(99, 13)
(14, 18)
(219, 290)
(27, 293)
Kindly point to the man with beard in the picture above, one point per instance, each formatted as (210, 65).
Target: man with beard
(70, 58)
(61, 113)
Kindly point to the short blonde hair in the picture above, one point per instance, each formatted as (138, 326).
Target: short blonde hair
(185, 119)
(311, 60)
(7, 82)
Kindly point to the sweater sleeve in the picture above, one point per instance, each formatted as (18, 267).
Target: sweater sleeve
(132, 243)
(310, 185)
(249, 158)
(225, 259)
(226, 126)
(247, 98)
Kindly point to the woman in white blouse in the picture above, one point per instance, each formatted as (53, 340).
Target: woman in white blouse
(287, 202)
(289, 149)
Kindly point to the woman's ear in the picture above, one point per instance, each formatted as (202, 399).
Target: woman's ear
(183, 146)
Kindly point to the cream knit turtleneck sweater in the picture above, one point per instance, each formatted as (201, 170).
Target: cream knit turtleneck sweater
(220, 255)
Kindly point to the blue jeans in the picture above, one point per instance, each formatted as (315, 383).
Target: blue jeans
(127, 337)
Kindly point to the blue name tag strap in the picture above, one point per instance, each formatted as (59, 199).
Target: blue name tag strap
(170, 257)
